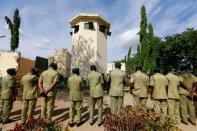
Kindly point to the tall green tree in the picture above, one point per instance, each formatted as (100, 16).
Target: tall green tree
(143, 23)
(14, 29)
(128, 62)
(142, 47)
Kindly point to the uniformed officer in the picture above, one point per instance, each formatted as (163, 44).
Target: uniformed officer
(159, 85)
(173, 96)
(7, 95)
(139, 82)
(30, 93)
(95, 82)
(187, 89)
(47, 84)
(75, 97)
(117, 80)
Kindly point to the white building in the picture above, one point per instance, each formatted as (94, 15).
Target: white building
(8, 60)
(89, 42)
(111, 66)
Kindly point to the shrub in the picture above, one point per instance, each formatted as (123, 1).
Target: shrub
(39, 125)
(134, 119)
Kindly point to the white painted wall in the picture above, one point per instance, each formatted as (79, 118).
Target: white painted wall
(89, 47)
(8, 60)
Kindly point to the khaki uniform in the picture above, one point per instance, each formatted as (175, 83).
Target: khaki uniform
(186, 102)
(159, 83)
(95, 81)
(75, 97)
(47, 78)
(140, 81)
(116, 92)
(173, 96)
(8, 83)
(30, 94)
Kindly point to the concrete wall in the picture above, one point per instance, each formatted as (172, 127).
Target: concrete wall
(8, 60)
(89, 47)
(102, 50)
(84, 46)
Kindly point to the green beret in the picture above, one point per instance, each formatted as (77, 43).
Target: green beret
(75, 70)
(138, 67)
(157, 69)
(117, 64)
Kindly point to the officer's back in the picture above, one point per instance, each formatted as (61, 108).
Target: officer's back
(117, 78)
(160, 83)
(75, 86)
(29, 82)
(95, 82)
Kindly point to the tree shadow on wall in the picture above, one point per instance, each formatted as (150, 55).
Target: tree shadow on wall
(83, 55)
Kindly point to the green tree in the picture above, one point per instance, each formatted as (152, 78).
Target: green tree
(14, 29)
(128, 63)
(143, 23)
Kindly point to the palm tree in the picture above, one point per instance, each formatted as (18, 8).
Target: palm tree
(14, 29)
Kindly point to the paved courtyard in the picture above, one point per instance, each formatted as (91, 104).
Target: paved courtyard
(61, 112)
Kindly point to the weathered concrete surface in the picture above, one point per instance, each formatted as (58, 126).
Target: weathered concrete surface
(8, 60)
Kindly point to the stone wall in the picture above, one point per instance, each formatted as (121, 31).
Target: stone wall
(8, 60)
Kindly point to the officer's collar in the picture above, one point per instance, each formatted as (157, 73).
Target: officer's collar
(75, 75)
(51, 68)
(9, 76)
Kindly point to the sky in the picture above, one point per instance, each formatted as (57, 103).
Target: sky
(45, 23)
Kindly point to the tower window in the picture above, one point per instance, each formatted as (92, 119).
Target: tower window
(109, 33)
(89, 26)
(76, 28)
(102, 28)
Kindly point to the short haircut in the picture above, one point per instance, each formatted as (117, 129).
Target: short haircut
(93, 68)
(138, 67)
(75, 71)
(157, 70)
(118, 65)
(11, 71)
(35, 71)
(53, 66)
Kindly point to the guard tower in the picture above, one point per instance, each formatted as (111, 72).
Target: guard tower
(89, 42)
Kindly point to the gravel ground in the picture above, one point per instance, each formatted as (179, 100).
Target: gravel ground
(61, 112)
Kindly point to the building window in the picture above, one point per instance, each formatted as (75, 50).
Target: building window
(89, 26)
(108, 33)
(76, 28)
(102, 28)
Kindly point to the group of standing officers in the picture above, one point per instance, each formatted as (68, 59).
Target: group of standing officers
(169, 92)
